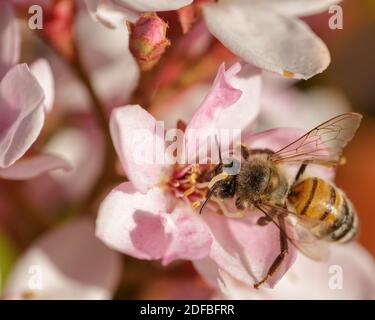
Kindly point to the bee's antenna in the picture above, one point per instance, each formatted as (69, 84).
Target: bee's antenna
(210, 193)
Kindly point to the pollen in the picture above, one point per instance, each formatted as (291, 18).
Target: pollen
(196, 204)
(188, 182)
(189, 191)
(288, 74)
(28, 295)
(342, 161)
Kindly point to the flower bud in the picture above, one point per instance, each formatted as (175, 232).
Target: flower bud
(148, 40)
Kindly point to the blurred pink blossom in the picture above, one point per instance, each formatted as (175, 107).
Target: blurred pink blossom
(66, 263)
(26, 95)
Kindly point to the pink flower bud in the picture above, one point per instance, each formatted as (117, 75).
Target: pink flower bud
(148, 40)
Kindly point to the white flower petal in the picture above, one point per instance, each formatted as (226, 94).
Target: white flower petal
(262, 36)
(43, 73)
(301, 7)
(154, 5)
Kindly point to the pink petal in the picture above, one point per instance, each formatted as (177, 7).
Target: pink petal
(181, 106)
(245, 250)
(133, 223)
(155, 5)
(42, 71)
(138, 225)
(221, 96)
(9, 38)
(231, 104)
(191, 239)
(138, 140)
(308, 279)
(83, 148)
(261, 36)
(21, 113)
(34, 166)
(301, 7)
(208, 270)
(71, 264)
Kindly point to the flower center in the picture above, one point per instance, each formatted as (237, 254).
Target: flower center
(190, 182)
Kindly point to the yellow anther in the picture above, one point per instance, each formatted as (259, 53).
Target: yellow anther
(189, 191)
(195, 204)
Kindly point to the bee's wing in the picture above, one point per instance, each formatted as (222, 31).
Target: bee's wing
(298, 231)
(306, 242)
(322, 145)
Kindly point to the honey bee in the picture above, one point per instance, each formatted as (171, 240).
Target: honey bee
(312, 210)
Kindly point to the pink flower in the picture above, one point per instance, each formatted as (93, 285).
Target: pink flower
(66, 263)
(154, 216)
(26, 95)
(348, 274)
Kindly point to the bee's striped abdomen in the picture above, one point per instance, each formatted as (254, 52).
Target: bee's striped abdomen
(346, 228)
(316, 199)
(327, 206)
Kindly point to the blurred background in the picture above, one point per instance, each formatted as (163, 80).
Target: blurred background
(28, 209)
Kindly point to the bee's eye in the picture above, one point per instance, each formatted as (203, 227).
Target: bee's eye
(232, 167)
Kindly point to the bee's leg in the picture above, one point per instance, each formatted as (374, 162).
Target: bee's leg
(230, 214)
(239, 204)
(265, 220)
(280, 258)
(301, 171)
